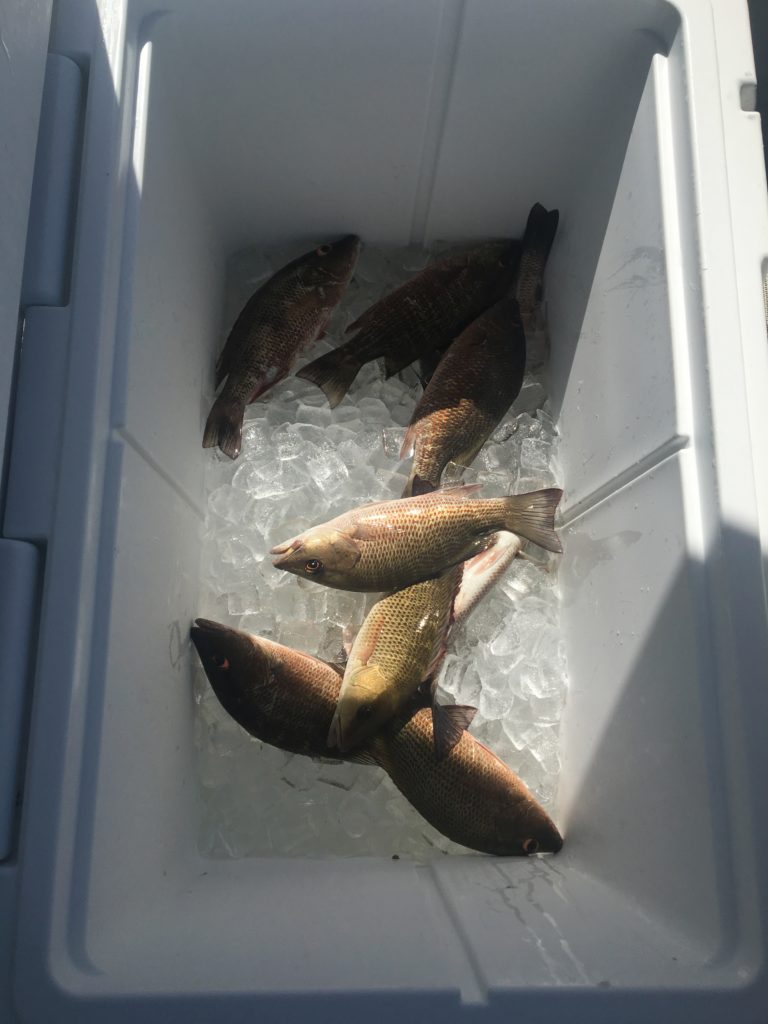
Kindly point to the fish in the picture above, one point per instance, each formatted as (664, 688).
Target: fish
(260, 684)
(475, 383)
(535, 247)
(396, 651)
(423, 314)
(389, 545)
(286, 698)
(471, 796)
(276, 324)
(481, 573)
(539, 235)
(478, 576)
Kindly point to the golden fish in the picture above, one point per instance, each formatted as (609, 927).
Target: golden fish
(392, 544)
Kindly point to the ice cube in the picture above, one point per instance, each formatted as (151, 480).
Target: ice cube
(287, 444)
(256, 439)
(355, 816)
(493, 703)
(314, 414)
(532, 396)
(260, 622)
(534, 456)
(328, 471)
(373, 411)
(292, 834)
(229, 503)
(298, 773)
(506, 642)
(414, 259)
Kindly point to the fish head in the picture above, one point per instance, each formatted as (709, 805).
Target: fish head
(529, 830)
(325, 556)
(235, 662)
(331, 263)
(367, 702)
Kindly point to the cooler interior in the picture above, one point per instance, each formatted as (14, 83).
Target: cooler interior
(263, 124)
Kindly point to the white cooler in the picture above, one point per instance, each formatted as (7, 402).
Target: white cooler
(171, 137)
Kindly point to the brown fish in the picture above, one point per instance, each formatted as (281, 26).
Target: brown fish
(475, 383)
(274, 327)
(537, 242)
(397, 649)
(422, 314)
(535, 246)
(470, 796)
(287, 699)
(391, 544)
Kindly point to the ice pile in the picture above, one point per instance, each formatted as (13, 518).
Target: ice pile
(301, 464)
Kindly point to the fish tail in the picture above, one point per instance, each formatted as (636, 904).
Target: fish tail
(541, 229)
(532, 516)
(224, 426)
(418, 485)
(334, 373)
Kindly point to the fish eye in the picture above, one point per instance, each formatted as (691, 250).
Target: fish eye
(313, 565)
(323, 250)
(220, 661)
(530, 846)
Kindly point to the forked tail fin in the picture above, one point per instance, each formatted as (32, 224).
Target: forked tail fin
(224, 427)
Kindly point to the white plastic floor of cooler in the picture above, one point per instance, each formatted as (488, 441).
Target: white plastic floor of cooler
(257, 124)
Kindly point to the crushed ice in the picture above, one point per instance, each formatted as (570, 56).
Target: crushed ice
(302, 464)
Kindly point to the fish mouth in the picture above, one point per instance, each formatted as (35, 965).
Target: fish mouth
(208, 625)
(201, 633)
(556, 843)
(551, 841)
(287, 547)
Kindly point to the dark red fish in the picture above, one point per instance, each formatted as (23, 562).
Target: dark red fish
(425, 313)
(274, 327)
(474, 385)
